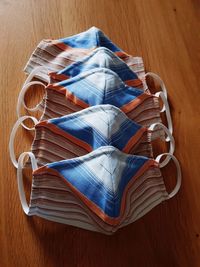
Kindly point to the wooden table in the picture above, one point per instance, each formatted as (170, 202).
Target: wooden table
(166, 34)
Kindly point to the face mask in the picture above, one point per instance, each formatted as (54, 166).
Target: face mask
(99, 58)
(57, 54)
(96, 87)
(115, 188)
(84, 131)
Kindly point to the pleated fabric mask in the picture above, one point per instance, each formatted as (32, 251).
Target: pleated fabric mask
(95, 87)
(57, 54)
(101, 191)
(99, 58)
(84, 131)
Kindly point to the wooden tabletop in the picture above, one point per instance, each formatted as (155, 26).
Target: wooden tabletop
(166, 34)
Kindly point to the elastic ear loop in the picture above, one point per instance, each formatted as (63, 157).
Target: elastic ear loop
(167, 111)
(170, 139)
(159, 80)
(20, 100)
(12, 137)
(22, 196)
(179, 176)
(34, 73)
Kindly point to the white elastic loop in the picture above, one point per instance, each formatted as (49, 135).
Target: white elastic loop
(12, 137)
(21, 102)
(22, 196)
(179, 176)
(35, 72)
(23, 92)
(169, 138)
(159, 80)
(167, 111)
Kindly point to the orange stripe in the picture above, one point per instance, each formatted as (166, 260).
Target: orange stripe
(65, 47)
(134, 103)
(91, 205)
(134, 83)
(61, 132)
(76, 100)
(59, 89)
(59, 77)
(122, 54)
(62, 46)
(63, 90)
(132, 142)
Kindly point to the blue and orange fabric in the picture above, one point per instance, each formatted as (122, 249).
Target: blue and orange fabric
(99, 58)
(94, 127)
(87, 179)
(57, 54)
(99, 86)
(89, 39)
(101, 179)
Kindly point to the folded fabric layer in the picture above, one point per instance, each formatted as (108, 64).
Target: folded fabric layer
(99, 58)
(115, 188)
(57, 54)
(100, 86)
(55, 201)
(82, 132)
(95, 87)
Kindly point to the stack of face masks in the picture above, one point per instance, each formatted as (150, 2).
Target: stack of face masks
(92, 155)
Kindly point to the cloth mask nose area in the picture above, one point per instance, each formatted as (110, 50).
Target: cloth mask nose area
(55, 55)
(78, 134)
(99, 86)
(99, 58)
(91, 38)
(116, 188)
(84, 131)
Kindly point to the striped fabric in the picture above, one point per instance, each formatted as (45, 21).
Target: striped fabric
(84, 131)
(57, 54)
(99, 58)
(92, 144)
(100, 86)
(101, 191)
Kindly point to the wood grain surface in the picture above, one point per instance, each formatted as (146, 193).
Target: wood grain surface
(166, 34)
